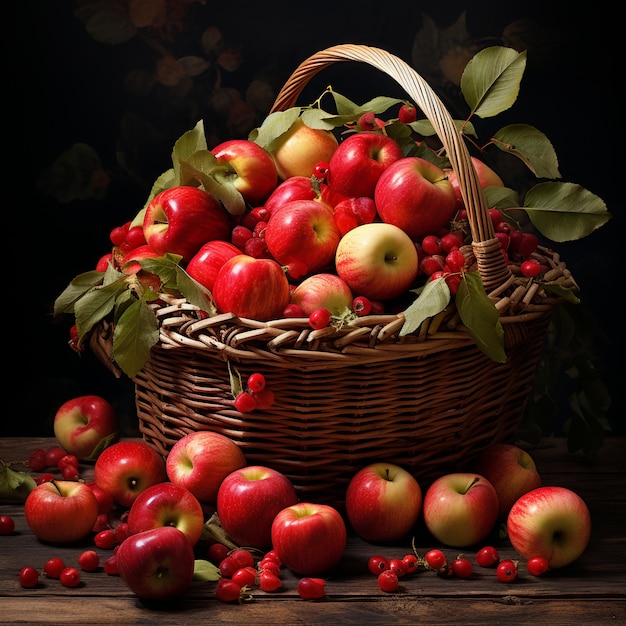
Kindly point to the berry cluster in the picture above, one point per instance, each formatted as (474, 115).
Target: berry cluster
(56, 457)
(389, 571)
(56, 568)
(255, 396)
(249, 234)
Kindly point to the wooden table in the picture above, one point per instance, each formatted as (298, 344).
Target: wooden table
(590, 591)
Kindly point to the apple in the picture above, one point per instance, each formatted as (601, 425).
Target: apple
(353, 212)
(383, 502)
(309, 538)
(300, 148)
(550, 522)
(323, 290)
(301, 188)
(460, 509)
(200, 460)
(253, 288)
(303, 232)
(248, 167)
(129, 264)
(486, 178)
(377, 260)
(86, 425)
(126, 468)
(167, 504)
(181, 219)
(61, 511)
(104, 498)
(511, 470)
(359, 161)
(415, 195)
(157, 564)
(206, 263)
(249, 499)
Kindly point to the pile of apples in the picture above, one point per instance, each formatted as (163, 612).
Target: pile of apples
(327, 224)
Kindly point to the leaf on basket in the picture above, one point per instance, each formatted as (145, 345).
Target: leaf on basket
(377, 105)
(77, 288)
(96, 304)
(434, 298)
(565, 211)
(491, 80)
(273, 126)
(561, 292)
(481, 317)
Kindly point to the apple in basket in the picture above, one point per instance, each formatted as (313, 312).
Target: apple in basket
(206, 263)
(511, 470)
(550, 522)
(383, 502)
(180, 219)
(486, 177)
(303, 232)
(377, 260)
(253, 288)
(86, 425)
(299, 149)
(460, 509)
(200, 460)
(359, 161)
(249, 499)
(327, 291)
(415, 195)
(301, 188)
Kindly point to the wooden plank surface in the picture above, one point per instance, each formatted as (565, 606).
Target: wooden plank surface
(591, 591)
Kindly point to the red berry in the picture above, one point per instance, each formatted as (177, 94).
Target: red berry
(268, 581)
(217, 553)
(228, 566)
(256, 382)
(37, 460)
(496, 216)
(106, 539)
(320, 318)
(530, 268)
(245, 403)
(432, 263)
(388, 581)
(407, 113)
(70, 577)
(46, 477)
(53, 567)
(239, 236)
(461, 567)
(269, 565)
(67, 460)
(256, 247)
(411, 563)
(377, 564)
(487, 556)
(361, 306)
(121, 531)
(70, 472)
(537, 565)
(29, 577)
(397, 566)
(264, 399)
(227, 590)
(242, 557)
(320, 170)
(245, 576)
(135, 237)
(311, 588)
(455, 260)
(118, 235)
(272, 555)
(507, 571)
(110, 566)
(435, 559)
(431, 244)
(504, 239)
(451, 240)
(54, 455)
(367, 121)
(7, 525)
(89, 561)
(527, 244)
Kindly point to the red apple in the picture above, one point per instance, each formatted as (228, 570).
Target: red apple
(181, 219)
(126, 468)
(486, 177)
(377, 260)
(324, 290)
(201, 460)
(359, 161)
(61, 511)
(104, 498)
(253, 288)
(460, 509)
(206, 263)
(158, 564)
(86, 425)
(353, 212)
(297, 151)
(303, 232)
(511, 470)
(249, 499)
(167, 504)
(309, 538)
(130, 264)
(383, 502)
(248, 167)
(301, 188)
(415, 195)
(550, 522)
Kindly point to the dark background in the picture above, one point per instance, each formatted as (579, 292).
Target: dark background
(64, 87)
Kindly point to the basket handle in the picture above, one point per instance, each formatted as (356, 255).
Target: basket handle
(491, 264)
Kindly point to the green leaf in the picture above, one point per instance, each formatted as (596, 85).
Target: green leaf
(205, 571)
(95, 305)
(530, 146)
(561, 292)
(77, 288)
(14, 485)
(194, 292)
(481, 317)
(166, 180)
(491, 80)
(189, 143)
(136, 332)
(434, 298)
(565, 211)
(273, 126)
(321, 120)
(501, 197)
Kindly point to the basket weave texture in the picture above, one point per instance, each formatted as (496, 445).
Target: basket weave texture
(347, 397)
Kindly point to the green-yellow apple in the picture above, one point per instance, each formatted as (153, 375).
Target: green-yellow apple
(323, 290)
(206, 263)
(460, 509)
(377, 260)
(249, 499)
(383, 502)
(511, 470)
(61, 511)
(359, 161)
(200, 460)
(550, 522)
(84, 426)
(486, 178)
(309, 538)
(181, 219)
(299, 149)
(248, 167)
(167, 504)
(253, 288)
(415, 195)
(126, 468)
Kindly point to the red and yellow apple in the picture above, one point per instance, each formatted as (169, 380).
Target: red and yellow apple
(486, 178)
(323, 290)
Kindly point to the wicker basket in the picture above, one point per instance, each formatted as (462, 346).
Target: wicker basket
(347, 397)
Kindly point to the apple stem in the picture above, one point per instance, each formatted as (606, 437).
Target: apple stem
(476, 479)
